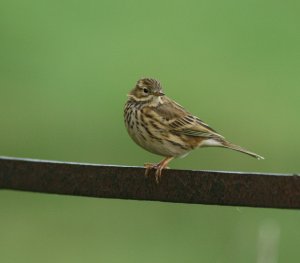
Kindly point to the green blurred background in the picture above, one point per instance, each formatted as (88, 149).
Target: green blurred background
(65, 69)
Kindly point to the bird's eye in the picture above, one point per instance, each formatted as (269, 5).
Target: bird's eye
(146, 90)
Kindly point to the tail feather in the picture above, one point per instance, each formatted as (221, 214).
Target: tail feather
(235, 147)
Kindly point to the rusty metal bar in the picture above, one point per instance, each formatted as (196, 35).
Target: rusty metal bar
(180, 186)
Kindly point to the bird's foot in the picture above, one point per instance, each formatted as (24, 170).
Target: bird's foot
(149, 166)
(158, 167)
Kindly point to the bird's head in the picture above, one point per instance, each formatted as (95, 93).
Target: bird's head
(147, 89)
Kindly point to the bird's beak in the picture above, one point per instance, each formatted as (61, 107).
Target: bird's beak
(159, 93)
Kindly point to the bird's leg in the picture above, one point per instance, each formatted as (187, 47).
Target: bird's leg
(162, 165)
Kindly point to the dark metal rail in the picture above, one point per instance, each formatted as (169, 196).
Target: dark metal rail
(180, 186)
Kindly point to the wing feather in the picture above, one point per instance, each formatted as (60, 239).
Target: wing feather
(181, 122)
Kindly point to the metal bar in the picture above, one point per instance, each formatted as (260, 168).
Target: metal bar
(180, 186)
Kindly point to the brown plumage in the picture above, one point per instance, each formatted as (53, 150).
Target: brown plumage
(162, 126)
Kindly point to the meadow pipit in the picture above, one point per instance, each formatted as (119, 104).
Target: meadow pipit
(161, 126)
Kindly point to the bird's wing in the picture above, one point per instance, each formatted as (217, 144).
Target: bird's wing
(181, 122)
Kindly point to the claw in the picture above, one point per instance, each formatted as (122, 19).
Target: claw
(158, 174)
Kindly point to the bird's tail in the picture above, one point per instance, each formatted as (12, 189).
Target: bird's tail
(232, 146)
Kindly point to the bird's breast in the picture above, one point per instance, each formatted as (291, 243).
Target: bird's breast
(150, 132)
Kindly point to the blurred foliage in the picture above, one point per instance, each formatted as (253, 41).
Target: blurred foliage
(66, 67)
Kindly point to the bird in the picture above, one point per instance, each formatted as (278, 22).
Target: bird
(163, 127)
